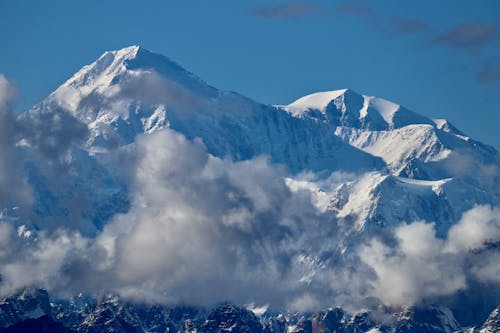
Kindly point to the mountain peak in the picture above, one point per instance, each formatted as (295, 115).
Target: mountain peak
(112, 69)
(134, 52)
(319, 100)
(120, 57)
(132, 58)
(127, 52)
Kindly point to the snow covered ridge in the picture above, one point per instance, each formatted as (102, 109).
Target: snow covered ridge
(132, 91)
(137, 177)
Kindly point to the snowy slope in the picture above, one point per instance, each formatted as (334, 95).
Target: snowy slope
(377, 200)
(412, 145)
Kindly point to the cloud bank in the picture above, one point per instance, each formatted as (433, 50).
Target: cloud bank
(195, 220)
(201, 230)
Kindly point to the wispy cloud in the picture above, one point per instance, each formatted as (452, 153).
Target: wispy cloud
(469, 36)
(385, 24)
(473, 38)
(287, 10)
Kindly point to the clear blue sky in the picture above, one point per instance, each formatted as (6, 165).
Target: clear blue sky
(439, 58)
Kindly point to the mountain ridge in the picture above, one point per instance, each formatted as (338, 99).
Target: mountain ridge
(132, 91)
(110, 314)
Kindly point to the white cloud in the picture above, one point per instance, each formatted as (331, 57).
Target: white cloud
(414, 269)
(477, 226)
(14, 190)
(421, 266)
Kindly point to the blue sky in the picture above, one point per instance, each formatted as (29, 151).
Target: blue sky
(439, 58)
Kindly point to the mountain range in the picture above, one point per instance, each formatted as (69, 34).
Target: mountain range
(32, 311)
(363, 167)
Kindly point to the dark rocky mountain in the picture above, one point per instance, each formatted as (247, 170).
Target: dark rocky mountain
(44, 324)
(32, 311)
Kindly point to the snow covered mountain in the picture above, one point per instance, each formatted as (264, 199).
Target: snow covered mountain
(359, 167)
(132, 91)
(434, 168)
(406, 166)
(411, 145)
